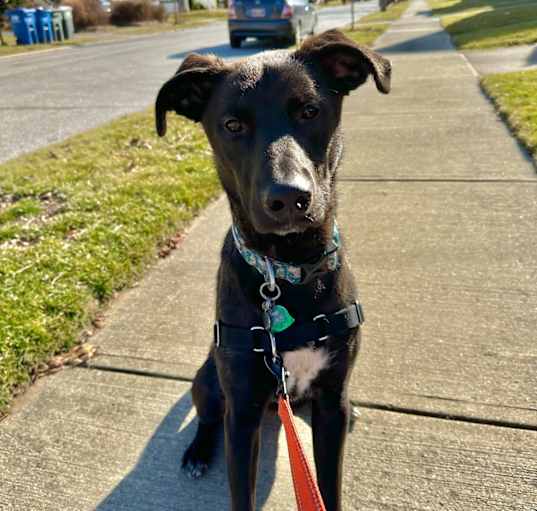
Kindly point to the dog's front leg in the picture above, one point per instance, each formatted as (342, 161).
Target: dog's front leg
(330, 419)
(242, 428)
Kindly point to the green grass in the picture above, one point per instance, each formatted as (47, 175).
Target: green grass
(80, 220)
(366, 34)
(13, 49)
(514, 94)
(107, 33)
(393, 12)
(477, 24)
(372, 26)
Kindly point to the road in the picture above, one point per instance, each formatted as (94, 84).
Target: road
(46, 97)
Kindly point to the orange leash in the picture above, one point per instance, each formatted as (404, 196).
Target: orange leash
(308, 496)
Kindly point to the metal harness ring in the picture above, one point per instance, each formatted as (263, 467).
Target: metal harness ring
(263, 294)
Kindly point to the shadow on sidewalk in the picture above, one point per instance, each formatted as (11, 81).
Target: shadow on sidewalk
(157, 482)
(531, 60)
(435, 41)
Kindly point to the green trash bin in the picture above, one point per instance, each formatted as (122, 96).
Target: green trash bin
(67, 21)
(57, 25)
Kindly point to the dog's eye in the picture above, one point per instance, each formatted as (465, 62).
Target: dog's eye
(234, 126)
(309, 112)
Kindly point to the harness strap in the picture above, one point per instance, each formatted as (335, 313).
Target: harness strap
(296, 336)
(308, 496)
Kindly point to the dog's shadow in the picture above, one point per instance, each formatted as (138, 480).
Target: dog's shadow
(157, 481)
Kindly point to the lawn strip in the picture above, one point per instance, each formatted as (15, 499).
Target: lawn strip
(371, 27)
(393, 12)
(367, 34)
(473, 24)
(80, 220)
(514, 95)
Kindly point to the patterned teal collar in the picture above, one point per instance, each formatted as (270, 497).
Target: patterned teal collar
(293, 273)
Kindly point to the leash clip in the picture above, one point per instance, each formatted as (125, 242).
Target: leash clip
(277, 369)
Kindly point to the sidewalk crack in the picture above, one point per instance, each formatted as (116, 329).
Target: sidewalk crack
(360, 404)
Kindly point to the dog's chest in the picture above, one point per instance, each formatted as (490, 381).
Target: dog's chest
(303, 366)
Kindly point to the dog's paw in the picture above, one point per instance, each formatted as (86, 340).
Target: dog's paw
(193, 465)
(195, 469)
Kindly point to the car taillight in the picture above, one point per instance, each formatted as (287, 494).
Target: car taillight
(231, 12)
(287, 11)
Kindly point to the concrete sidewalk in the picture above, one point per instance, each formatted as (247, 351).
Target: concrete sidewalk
(438, 207)
(503, 60)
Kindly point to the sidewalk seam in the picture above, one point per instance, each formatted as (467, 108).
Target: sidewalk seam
(363, 404)
(468, 63)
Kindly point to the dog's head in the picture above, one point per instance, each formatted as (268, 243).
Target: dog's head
(273, 123)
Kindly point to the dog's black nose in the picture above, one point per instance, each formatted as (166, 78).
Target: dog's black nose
(287, 201)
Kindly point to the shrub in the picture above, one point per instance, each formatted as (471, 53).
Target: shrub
(158, 13)
(87, 13)
(127, 12)
(196, 6)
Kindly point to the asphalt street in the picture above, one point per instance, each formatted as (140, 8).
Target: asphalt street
(46, 97)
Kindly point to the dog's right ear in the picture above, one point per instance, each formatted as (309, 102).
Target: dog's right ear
(189, 90)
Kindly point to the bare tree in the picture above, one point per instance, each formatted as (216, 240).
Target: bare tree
(3, 8)
(5, 5)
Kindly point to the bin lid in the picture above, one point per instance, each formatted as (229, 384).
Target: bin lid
(44, 13)
(21, 11)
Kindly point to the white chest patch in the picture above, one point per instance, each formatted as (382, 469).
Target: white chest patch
(304, 366)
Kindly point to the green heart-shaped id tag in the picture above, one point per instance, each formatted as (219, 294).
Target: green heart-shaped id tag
(280, 319)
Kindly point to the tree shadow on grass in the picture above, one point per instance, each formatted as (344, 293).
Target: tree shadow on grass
(157, 483)
(463, 5)
(499, 23)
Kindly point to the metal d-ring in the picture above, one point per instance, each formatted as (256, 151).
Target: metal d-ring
(276, 289)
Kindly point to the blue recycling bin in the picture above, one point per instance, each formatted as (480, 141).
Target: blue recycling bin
(23, 25)
(43, 23)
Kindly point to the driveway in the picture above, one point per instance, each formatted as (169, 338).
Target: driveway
(47, 97)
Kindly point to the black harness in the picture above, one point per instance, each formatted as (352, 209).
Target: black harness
(272, 339)
(311, 334)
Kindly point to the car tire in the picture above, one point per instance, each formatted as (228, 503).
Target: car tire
(234, 41)
(314, 27)
(294, 38)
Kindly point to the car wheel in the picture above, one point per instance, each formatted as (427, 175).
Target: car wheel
(314, 27)
(298, 34)
(234, 41)
(294, 38)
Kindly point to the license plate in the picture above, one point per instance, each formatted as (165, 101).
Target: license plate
(257, 13)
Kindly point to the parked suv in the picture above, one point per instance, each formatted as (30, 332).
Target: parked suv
(284, 20)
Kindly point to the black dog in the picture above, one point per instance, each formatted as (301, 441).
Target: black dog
(273, 122)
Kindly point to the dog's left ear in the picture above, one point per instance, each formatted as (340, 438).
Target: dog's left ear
(346, 64)
(189, 90)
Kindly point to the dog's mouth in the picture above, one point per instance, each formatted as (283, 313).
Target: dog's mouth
(304, 247)
(286, 228)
